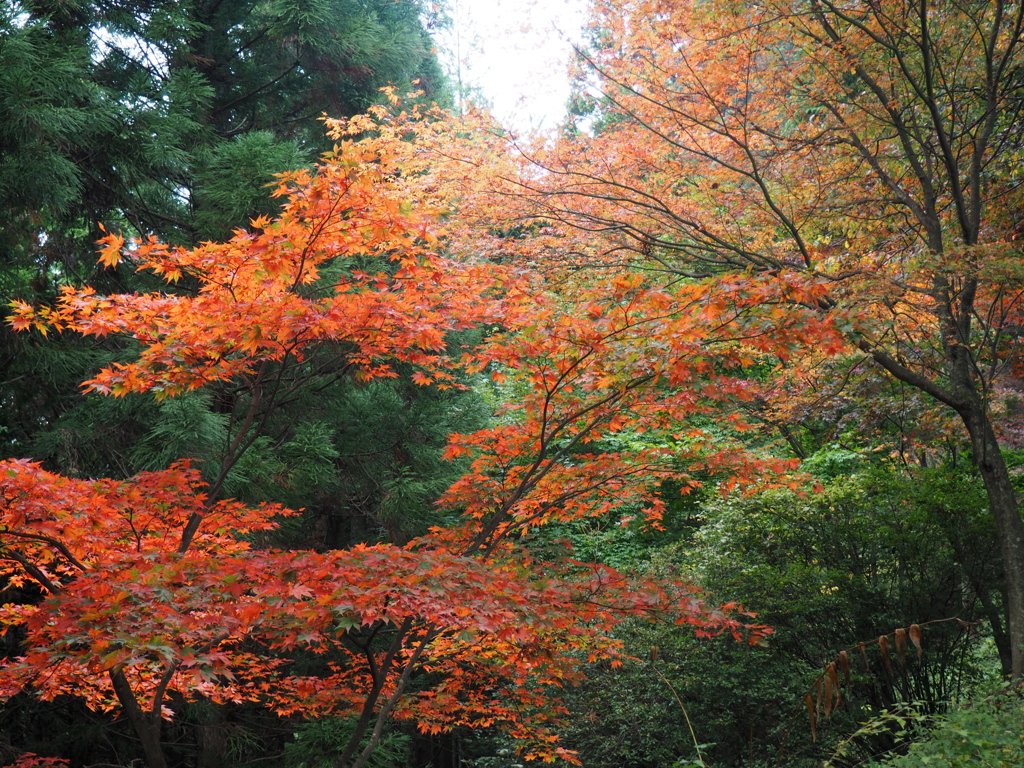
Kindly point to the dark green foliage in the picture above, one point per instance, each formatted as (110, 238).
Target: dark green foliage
(42, 412)
(984, 732)
(739, 699)
(866, 555)
(50, 112)
(363, 460)
(624, 540)
(231, 186)
(145, 114)
(64, 727)
(872, 552)
(319, 743)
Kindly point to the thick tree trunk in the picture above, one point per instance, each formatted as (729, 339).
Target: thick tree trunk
(1005, 511)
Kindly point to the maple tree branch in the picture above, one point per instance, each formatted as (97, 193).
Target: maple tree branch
(910, 376)
(377, 685)
(995, 327)
(315, 234)
(55, 543)
(367, 649)
(704, 250)
(161, 687)
(923, 216)
(33, 570)
(544, 465)
(903, 132)
(389, 704)
(168, 675)
(245, 437)
(753, 172)
(231, 456)
(968, 226)
(558, 501)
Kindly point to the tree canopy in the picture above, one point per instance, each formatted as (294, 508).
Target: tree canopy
(389, 428)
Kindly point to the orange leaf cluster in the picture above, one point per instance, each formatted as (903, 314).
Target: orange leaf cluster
(221, 620)
(348, 262)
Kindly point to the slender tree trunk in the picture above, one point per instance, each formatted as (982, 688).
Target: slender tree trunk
(146, 726)
(997, 621)
(995, 614)
(1005, 511)
(964, 397)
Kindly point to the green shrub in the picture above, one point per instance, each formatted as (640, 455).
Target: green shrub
(985, 733)
(319, 743)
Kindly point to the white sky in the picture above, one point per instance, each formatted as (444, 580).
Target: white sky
(517, 53)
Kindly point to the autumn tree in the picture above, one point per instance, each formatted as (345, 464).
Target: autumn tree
(166, 119)
(145, 592)
(871, 147)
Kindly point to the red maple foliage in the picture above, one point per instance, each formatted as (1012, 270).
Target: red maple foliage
(150, 589)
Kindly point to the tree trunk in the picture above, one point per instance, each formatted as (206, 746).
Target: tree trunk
(147, 726)
(997, 621)
(963, 397)
(1002, 501)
